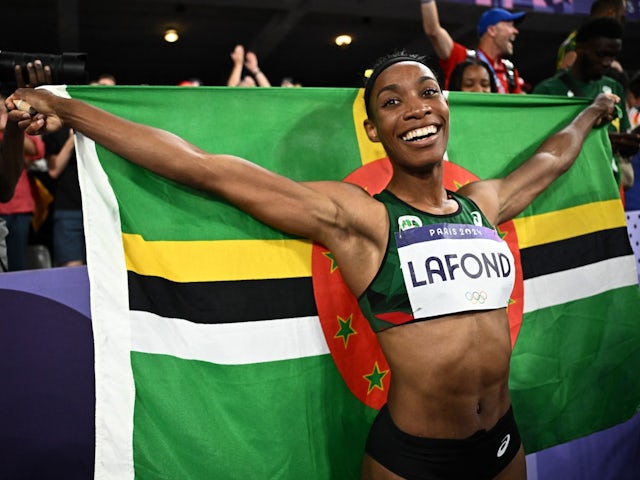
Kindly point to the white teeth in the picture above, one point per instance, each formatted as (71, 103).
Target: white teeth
(420, 133)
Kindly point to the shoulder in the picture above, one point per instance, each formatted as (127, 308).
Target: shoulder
(457, 55)
(484, 194)
(552, 85)
(615, 86)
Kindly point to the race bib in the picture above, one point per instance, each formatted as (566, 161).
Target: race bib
(450, 268)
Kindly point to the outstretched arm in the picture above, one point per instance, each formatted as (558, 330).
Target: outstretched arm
(440, 39)
(313, 210)
(503, 199)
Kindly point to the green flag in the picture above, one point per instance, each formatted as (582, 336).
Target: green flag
(227, 349)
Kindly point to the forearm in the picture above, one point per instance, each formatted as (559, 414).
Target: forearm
(261, 78)
(157, 150)
(566, 144)
(234, 77)
(58, 162)
(552, 158)
(440, 39)
(11, 160)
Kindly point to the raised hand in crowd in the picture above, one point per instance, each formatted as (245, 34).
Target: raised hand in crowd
(251, 64)
(237, 57)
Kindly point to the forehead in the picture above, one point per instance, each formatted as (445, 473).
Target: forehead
(475, 70)
(404, 71)
(504, 23)
(603, 44)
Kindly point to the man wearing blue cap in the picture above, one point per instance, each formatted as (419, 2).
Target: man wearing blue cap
(496, 31)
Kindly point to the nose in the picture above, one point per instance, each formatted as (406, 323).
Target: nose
(417, 108)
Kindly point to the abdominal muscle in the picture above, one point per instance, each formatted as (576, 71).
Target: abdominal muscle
(449, 375)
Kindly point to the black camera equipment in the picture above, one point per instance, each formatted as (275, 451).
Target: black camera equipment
(67, 68)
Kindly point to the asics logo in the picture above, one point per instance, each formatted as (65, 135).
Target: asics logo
(503, 445)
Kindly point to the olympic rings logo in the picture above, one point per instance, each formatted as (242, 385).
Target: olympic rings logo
(476, 297)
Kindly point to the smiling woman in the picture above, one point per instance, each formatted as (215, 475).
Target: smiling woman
(472, 75)
(448, 413)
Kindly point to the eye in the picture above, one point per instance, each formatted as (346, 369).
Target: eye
(390, 101)
(430, 92)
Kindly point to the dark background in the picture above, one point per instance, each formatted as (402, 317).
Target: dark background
(292, 38)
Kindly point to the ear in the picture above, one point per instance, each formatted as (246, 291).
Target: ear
(372, 131)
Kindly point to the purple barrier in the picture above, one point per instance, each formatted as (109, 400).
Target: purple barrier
(48, 395)
(46, 372)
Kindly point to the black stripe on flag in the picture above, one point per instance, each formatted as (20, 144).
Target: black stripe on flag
(224, 301)
(574, 252)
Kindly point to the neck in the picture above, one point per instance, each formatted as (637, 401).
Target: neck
(576, 72)
(423, 190)
(487, 45)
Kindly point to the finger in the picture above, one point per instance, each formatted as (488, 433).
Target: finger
(39, 72)
(31, 72)
(17, 70)
(32, 127)
(18, 116)
(24, 107)
(48, 76)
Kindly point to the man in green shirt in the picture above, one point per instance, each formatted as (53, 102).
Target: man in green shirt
(598, 43)
(599, 8)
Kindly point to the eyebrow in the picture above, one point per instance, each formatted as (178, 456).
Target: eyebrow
(395, 86)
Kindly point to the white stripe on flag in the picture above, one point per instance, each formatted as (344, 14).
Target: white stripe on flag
(115, 392)
(569, 285)
(228, 343)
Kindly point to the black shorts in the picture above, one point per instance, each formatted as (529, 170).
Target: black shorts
(481, 456)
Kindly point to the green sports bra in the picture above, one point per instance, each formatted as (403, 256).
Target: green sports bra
(437, 265)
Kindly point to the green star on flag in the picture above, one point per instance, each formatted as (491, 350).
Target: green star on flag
(334, 265)
(345, 329)
(375, 378)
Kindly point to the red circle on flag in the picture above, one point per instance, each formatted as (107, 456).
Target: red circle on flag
(352, 342)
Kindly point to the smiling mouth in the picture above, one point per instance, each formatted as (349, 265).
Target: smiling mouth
(419, 133)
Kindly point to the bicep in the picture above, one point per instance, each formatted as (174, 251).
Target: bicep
(307, 209)
(502, 199)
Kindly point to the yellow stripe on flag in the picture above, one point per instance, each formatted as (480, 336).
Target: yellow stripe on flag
(220, 260)
(369, 151)
(571, 222)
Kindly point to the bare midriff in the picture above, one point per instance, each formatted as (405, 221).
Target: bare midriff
(449, 375)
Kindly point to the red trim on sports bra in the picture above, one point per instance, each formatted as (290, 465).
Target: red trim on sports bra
(396, 318)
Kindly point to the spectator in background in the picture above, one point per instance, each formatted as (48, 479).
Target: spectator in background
(12, 152)
(248, 61)
(288, 82)
(496, 31)
(104, 79)
(472, 75)
(68, 229)
(615, 9)
(598, 43)
(17, 212)
(192, 82)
